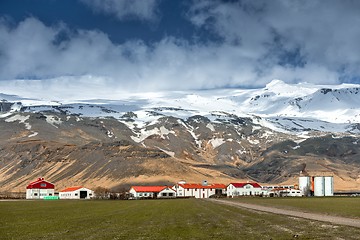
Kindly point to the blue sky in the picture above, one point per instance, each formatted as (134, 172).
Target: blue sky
(192, 44)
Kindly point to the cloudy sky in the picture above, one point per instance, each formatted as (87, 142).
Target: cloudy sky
(190, 44)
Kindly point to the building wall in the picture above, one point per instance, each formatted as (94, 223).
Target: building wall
(194, 192)
(167, 193)
(247, 190)
(76, 194)
(141, 194)
(35, 193)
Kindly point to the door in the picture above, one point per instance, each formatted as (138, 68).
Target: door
(83, 194)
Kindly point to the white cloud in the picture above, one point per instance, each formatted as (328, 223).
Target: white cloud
(122, 9)
(256, 42)
(325, 33)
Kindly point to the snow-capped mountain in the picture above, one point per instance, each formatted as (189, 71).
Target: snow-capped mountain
(111, 137)
(291, 108)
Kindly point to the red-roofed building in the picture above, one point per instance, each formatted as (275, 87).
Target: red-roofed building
(78, 192)
(138, 192)
(39, 189)
(244, 189)
(199, 190)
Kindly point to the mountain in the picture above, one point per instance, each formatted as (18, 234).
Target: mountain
(112, 138)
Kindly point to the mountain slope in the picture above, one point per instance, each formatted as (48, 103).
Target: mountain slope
(267, 135)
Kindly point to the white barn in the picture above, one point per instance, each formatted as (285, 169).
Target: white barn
(244, 189)
(198, 190)
(138, 192)
(76, 193)
(40, 189)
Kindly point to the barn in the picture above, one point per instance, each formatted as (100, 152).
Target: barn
(76, 193)
(243, 189)
(138, 192)
(40, 189)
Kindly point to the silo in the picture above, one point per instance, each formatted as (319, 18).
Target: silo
(319, 186)
(304, 185)
(329, 186)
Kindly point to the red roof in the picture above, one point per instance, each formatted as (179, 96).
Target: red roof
(71, 189)
(148, 188)
(40, 183)
(199, 186)
(240, 185)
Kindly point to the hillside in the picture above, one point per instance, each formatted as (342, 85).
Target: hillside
(267, 135)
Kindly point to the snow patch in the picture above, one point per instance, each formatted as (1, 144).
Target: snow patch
(211, 127)
(21, 119)
(33, 134)
(52, 120)
(155, 131)
(216, 142)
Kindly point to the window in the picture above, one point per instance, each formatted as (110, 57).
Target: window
(43, 185)
(90, 194)
(50, 194)
(35, 194)
(171, 194)
(164, 194)
(76, 194)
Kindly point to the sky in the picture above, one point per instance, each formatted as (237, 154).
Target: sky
(154, 45)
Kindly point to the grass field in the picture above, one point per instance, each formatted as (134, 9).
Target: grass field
(337, 206)
(154, 219)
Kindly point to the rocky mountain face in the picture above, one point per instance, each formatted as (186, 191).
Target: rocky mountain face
(267, 135)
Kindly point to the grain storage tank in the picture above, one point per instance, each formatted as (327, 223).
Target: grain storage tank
(304, 185)
(329, 186)
(319, 186)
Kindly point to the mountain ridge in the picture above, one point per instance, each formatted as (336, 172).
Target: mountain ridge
(208, 134)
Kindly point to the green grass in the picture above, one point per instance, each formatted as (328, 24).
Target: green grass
(154, 219)
(337, 206)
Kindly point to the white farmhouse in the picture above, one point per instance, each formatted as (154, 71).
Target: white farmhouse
(39, 189)
(198, 190)
(138, 192)
(76, 193)
(243, 189)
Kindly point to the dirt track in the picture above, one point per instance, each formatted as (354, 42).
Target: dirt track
(313, 216)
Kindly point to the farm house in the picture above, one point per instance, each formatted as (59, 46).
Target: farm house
(138, 192)
(243, 189)
(76, 193)
(39, 189)
(198, 190)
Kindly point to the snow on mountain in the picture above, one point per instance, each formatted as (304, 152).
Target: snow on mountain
(292, 108)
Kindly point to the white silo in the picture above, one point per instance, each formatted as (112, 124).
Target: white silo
(319, 186)
(329, 186)
(304, 184)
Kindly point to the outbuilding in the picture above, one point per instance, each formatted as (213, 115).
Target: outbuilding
(40, 189)
(138, 192)
(244, 189)
(199, 190)
(76, 193)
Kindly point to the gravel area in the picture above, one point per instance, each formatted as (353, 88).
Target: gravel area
(313, 216)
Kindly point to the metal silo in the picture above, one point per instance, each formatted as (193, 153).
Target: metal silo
(329, 186)
(319, 186)
(304, 185)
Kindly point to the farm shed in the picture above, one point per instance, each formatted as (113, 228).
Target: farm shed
(243, 189)
(138, 192)
(39, 189)
(199, 190)
(76, 193)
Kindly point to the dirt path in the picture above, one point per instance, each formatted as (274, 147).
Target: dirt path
(313, 216)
